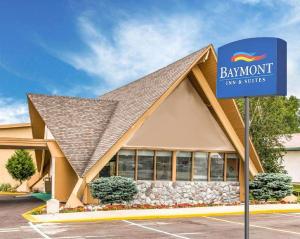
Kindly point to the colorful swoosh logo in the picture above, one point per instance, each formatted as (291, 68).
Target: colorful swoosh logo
(245, 56)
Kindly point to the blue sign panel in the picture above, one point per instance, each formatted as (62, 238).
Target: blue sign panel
(252, 67)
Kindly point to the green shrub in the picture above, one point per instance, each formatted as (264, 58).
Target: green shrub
(113, 189)
(267, 186)
(296, 190)
(20, 165)
(6, 187)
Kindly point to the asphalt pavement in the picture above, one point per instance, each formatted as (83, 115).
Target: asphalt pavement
(275, 226)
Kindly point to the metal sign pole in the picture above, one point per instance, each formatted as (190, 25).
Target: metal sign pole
(271, 52)
(246, 167)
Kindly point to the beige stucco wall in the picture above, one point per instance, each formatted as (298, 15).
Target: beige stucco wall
(292, 165)
(183, 121)
(65, 176)
(14, 131)
(65, 179)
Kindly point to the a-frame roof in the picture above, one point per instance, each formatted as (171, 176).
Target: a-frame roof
(89, 131)
(86, 129)
(77, 124)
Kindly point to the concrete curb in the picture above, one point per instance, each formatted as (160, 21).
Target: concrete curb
(13, 193)
(28, 215)
(32, 218)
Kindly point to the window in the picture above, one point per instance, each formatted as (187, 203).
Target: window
(109, 169)
(217, 167)
(145, 165)
(157, 165)
(200, 166)
(232, 167)
(126, 163)
(163, 165)
(183, 166)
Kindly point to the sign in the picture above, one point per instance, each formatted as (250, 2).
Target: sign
(252, 67)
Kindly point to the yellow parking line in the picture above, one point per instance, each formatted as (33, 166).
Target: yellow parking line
(255, 226)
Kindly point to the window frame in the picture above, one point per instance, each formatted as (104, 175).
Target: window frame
(137, 165)
(118, 161)
(174, 155)
(171, 164)
(238, 159)
(191, 165)
(224, 169)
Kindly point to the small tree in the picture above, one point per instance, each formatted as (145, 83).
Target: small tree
(113, 189)
(20, 165)
(271, 185)
(272, 119)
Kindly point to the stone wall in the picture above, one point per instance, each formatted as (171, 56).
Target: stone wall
(170, 193)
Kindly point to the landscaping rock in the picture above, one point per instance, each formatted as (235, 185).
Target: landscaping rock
(171, 193)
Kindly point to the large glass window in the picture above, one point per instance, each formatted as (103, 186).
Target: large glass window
(232, 172)
(200, 166)
(217, 167)
(145, 165)
(163, 165)
(157, 165)
(109, 169)
(183, 166)
(126, 163)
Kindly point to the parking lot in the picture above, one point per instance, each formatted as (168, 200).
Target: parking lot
(281, 226)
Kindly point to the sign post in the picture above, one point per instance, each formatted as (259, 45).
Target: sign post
(246, 166)
(251, 67)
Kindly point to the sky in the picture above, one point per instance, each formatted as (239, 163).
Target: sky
(85, 48)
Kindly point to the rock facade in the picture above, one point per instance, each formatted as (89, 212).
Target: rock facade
(170, 193)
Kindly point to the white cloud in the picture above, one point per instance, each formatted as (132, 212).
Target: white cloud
(136, 48)
(290, 14)
(292, 17)
(284, 23)
(251, 2)
(287, 28)
(12, 111)
(293, 69)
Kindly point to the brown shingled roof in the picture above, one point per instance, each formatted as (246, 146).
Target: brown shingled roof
(77, 124)
(86, 129)
(136, 98)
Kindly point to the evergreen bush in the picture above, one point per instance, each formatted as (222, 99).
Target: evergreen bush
(267, 186)
(115, 189)
(20, 165)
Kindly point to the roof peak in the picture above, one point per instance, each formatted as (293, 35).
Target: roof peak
(156, 71)
(137, 97)
(122, 86)
(86, 128)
